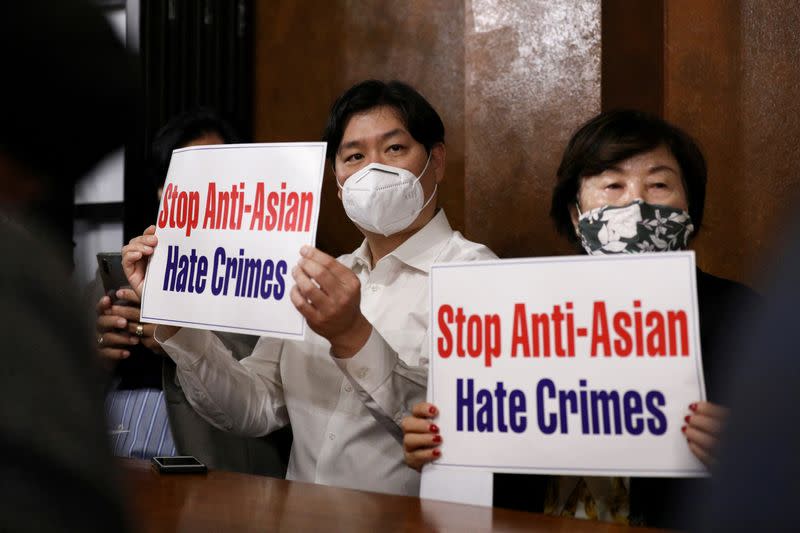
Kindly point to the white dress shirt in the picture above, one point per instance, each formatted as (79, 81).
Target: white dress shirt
(337, 440)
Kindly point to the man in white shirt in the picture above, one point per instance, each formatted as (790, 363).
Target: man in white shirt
(363, 363)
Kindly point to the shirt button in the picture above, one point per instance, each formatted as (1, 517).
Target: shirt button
(348, 388)
(374, 288)
(331, 436)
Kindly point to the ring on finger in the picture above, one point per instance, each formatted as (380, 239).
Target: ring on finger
(99, 339)
(139, 330)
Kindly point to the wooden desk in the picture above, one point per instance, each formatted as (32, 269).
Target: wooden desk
(225, 501)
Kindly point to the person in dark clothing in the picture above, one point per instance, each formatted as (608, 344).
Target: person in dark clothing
(754, 487)
(56, 462)
(64, 103)
(619, 167)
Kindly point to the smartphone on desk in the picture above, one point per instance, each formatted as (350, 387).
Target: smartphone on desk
(181, 464)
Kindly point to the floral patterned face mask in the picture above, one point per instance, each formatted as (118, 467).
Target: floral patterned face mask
(634, 228)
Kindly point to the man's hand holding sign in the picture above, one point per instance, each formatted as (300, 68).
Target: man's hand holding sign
(328, 295)
(134, 262)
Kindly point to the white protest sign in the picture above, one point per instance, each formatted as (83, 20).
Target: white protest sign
(567, 365)
(230, 227)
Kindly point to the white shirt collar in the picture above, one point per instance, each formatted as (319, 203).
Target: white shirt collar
(419, 251)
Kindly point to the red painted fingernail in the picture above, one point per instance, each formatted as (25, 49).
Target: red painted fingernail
(683, 429)
(436, 452)
(693, 406)
(434, 428)
(432, 410)
(686, 418)
(437, 439)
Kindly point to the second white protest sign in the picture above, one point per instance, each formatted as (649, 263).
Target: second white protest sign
(230, 226)
(569, 365)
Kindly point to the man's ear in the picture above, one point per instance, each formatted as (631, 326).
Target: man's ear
(438, 158)
(336, 180)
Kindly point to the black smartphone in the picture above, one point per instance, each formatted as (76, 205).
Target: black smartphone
(110, 265)
(180, 464)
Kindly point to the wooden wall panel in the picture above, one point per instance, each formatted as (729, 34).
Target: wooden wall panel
(770, 115)
(732, 69)
(633, 55)
(702, 95)
(532, 77)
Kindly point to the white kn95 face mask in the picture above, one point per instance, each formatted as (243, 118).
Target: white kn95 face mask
(384, 199)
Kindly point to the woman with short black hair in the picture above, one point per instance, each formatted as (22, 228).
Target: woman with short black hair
(628, 182)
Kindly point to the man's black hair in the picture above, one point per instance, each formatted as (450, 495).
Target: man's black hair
(614, 136)
(181, 130)
(417, 115)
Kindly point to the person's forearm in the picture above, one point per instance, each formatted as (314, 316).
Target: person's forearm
(231, 395)
(349, 343)
(393, 384)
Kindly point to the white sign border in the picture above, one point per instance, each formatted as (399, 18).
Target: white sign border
(689, 255)
(315, 218)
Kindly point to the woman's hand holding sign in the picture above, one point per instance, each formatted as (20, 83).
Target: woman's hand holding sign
(421, 439)
(703, 428)
(328, 295)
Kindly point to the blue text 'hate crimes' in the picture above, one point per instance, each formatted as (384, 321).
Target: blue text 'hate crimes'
(593, 412)
(245, 277)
